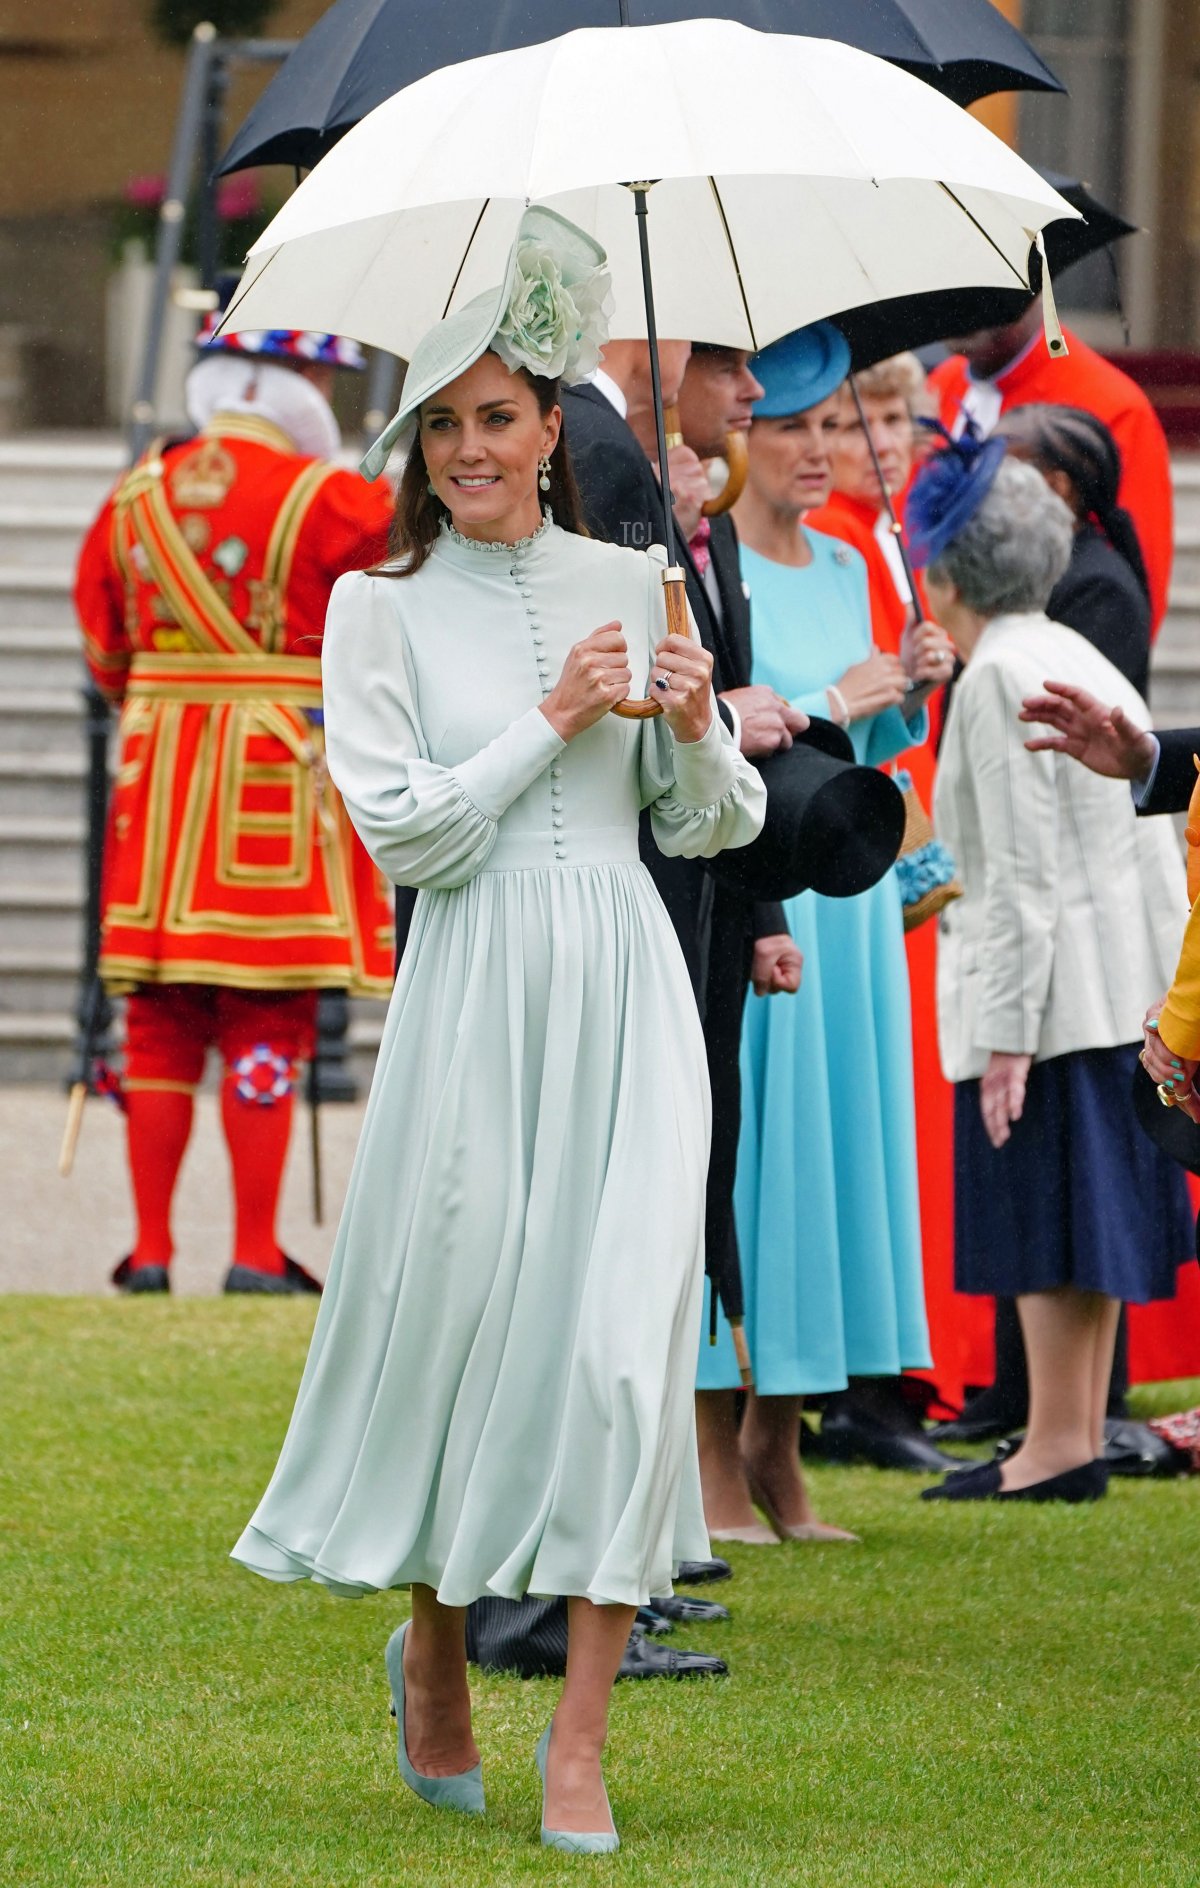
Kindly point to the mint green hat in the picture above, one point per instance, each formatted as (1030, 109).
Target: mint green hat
(550, 314)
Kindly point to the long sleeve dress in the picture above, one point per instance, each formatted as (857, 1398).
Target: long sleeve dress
(497, 1399)
(826, 1196)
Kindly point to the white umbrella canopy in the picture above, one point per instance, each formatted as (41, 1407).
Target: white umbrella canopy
(793, 179)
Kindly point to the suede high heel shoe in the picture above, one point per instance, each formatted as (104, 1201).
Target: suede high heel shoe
(571, 1841)
(819, 1531)
(464, 1791)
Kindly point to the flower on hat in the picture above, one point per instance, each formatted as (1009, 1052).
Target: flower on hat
(556, 321)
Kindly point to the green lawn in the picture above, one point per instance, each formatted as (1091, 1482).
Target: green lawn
(976, 1697)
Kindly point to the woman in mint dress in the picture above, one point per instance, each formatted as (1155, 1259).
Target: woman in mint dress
(479, 1414)
(826, 1198)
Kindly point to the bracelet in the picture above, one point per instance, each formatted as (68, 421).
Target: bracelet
(837, 701)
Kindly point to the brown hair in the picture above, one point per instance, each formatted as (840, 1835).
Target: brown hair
(420, 514)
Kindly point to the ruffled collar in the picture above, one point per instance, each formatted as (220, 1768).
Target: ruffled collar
(472, 548)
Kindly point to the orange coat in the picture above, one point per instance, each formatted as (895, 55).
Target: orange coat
(201, 591)
(1085, 379)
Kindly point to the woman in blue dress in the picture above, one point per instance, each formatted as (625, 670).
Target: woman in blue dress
(826, 1200)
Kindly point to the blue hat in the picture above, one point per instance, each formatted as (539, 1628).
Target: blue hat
(948, 491)
(800, 370)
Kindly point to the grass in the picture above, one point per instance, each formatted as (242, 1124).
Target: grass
(974, 1698)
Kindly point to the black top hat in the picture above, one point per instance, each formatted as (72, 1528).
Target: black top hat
(1169, 1128)
(832, 826)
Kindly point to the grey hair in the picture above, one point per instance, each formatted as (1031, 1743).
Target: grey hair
(1009, 556)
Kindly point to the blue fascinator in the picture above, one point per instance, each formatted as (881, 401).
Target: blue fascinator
(948, 490)
(800, 370)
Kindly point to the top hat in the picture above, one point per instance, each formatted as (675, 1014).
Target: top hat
(831, 826)
(1169, 1128)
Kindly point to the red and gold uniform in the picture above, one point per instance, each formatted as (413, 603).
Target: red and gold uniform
(234, 886)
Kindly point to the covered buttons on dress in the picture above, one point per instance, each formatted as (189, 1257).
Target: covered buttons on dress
(518, 574)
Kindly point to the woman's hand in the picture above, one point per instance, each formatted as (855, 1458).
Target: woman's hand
(1002, 1094)
(777, 966)
(595, 676)
(1104, 739)
(686, 667)
(927, 653)
(871, 686)
(1173, 1072)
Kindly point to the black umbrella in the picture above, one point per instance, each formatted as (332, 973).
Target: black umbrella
(362, 51)
(881, 329)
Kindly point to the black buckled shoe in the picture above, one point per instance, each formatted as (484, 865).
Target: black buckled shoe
(852, 1435)
(702, 1572)
(292, 1281)
(678, 1608)
(138, 1278)
(644, 1659)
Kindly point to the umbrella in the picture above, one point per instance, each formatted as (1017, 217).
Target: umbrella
(790, 179)
(881, 329)
(361, 51)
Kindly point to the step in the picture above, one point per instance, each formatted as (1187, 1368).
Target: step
(51, 784)
(40, 720)
(42, 982)
(41, 851)
(78, 469)
(40, 917)
(35, 595)
(36, 1047)
(46, 534)
(46, 658)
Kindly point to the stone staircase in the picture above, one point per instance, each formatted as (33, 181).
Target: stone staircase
(50, 489)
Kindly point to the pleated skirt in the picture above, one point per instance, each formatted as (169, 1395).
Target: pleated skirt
(498, 1395)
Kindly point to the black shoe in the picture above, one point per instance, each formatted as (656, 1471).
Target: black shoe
(291, 1281)
(981, 1483)
(691, 1612)
(644, 1659)
(652, 1621)
(1086, 1483)
(986, 1417)
(136, 1278)
(702, 1572)
(857, 1436)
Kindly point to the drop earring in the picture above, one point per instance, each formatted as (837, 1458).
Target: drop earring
(544, 469)
(429, 487)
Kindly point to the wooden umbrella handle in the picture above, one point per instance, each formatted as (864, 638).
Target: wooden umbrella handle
(675, 593)
(737, 463)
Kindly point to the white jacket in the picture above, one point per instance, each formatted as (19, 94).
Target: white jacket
(1073, 910)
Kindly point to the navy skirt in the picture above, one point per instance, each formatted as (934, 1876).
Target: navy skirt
(1078, 1196)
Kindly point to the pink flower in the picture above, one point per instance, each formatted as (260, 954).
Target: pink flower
(238, 196)
(145, 193)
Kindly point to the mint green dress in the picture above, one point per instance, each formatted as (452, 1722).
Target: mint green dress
(498, 1395)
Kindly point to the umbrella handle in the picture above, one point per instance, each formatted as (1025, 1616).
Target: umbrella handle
(737, 465)
(631, 709)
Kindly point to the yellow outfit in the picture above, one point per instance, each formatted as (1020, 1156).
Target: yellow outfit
(1179, 1017)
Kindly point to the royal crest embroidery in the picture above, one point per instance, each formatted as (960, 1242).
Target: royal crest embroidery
(203, 478)
(196, 532)
(230, 554)
(266, 612)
